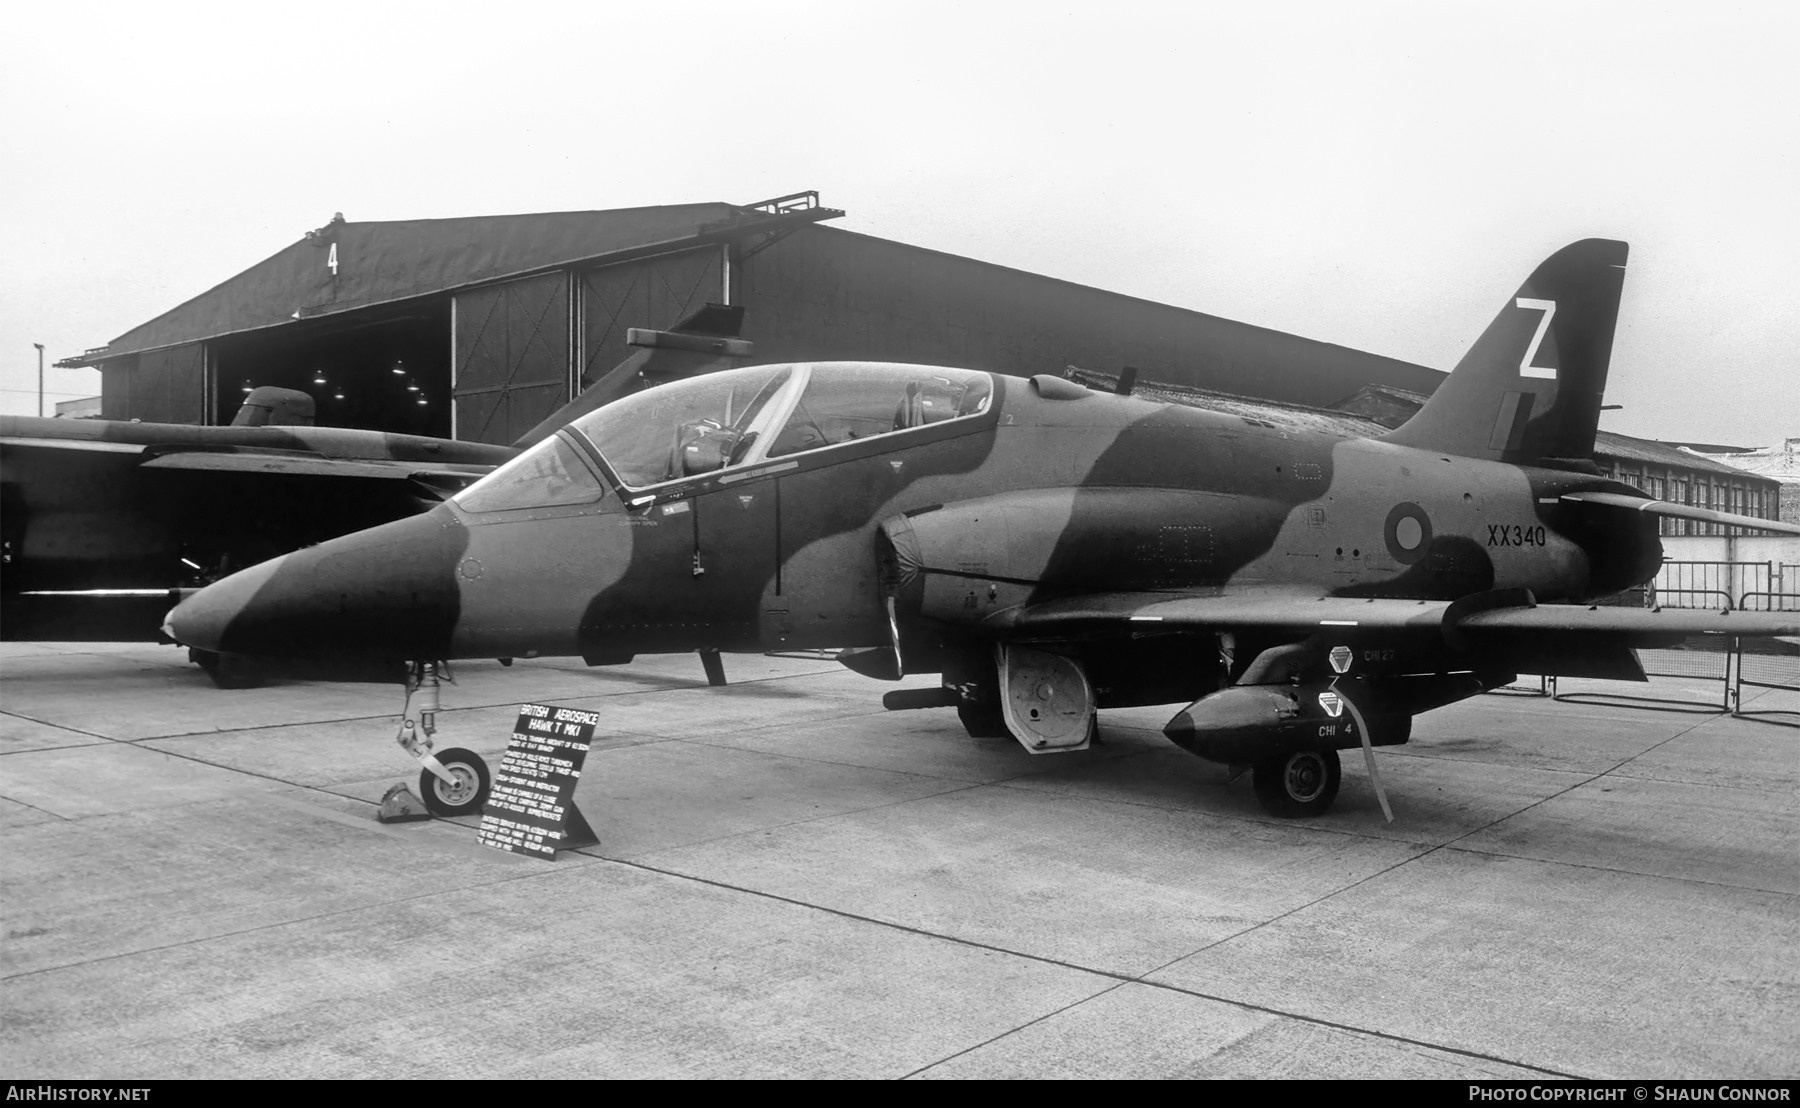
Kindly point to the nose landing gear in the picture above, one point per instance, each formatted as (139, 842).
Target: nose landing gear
(454, 782)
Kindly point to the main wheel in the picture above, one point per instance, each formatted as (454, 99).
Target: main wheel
(464, 798)
(1300, 784)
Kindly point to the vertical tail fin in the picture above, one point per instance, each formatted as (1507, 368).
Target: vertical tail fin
(1529, 389)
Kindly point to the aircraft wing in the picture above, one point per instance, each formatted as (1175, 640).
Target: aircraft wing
(92, 446)
(455, 476)
(1633, 623)
(1150, 612)
(1469, 619)
(441, 480)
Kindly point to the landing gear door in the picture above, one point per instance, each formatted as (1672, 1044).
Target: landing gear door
(1046, 699)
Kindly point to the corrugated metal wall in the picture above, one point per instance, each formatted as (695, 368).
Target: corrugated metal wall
(826, 293)
(513, 345)
(511, 365)
(656, 292)
(158, 386)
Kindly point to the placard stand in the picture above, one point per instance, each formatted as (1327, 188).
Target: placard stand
(531, 804)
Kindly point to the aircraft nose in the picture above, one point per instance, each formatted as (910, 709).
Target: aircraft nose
(388, 592)
(202, 618)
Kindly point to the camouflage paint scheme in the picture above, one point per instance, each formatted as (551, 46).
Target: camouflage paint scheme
(1085, 549)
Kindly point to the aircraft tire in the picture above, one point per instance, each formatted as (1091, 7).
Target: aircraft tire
(1299, 784)
(467, 796)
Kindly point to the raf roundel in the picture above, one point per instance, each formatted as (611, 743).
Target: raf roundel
(1408, 533)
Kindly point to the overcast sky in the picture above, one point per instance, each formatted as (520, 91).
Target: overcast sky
(1380, 175)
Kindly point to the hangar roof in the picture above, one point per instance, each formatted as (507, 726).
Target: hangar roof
(345, 266)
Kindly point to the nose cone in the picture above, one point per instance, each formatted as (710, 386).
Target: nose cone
(201, 619)
(388, 592)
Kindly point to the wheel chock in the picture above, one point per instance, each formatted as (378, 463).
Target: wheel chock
(399, 805)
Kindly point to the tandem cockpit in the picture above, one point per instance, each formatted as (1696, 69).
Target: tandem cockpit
(733, 419)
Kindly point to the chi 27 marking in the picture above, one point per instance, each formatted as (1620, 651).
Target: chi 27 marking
(1501, 534)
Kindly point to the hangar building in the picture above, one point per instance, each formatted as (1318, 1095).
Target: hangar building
(477, 328)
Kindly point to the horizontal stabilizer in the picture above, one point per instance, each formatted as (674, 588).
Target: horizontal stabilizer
(1654, 507)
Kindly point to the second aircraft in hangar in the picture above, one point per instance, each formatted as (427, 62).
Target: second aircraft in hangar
(1048, 550)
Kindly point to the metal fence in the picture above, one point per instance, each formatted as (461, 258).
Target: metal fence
(1524, 686)
(1712, 584)
(1766, 664)
(1724, 668)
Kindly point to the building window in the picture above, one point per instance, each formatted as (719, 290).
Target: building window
(1654, 486)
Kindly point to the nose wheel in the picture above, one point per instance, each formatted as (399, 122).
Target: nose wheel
(466, 791)
(1300, 784)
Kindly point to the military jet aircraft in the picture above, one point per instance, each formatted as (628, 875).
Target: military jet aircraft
(1047, 549)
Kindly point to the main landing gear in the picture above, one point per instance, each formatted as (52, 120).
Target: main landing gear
(1298, 785)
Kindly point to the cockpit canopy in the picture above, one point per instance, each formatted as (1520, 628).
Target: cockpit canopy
(735, 418)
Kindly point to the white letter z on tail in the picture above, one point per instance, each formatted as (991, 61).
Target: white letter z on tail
(1526, 369)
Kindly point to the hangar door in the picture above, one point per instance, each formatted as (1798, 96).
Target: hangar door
(512, 357)
(158, 386)
(655, 292)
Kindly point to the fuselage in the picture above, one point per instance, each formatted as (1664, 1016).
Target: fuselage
(756, 528)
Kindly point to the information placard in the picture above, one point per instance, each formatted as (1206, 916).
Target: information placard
(531, 804)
